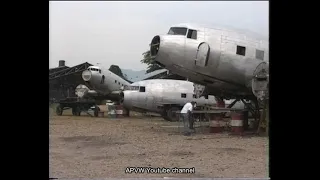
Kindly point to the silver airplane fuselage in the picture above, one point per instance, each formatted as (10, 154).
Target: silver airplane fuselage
(103, 82)
(225, 61)
(161, 96)
(154, 95)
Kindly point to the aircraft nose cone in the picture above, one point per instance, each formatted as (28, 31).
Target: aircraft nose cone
(86, 75)
(155, 46)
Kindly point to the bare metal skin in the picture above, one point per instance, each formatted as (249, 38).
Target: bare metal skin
(157, 95)
(104, 83)
(210, 56)
(161, 92)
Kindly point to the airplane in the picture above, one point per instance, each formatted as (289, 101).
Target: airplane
(230, 64)
(163, 96)
(102, 84)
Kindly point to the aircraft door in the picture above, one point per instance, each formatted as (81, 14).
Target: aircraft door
(202, 54)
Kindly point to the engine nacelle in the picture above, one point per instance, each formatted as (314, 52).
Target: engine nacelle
(199, 90)
(117, 96)
(83, 91)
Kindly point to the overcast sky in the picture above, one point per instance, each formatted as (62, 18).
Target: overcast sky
(118, 33)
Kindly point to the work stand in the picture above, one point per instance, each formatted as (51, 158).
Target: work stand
(264, 119)
(196, 125)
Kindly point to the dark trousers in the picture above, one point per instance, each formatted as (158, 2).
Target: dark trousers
(187, 122)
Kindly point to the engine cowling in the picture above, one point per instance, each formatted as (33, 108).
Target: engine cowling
(81, 91)
(199, 90)
(117, 96)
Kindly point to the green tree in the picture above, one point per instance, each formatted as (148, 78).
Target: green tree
(147, 59)
(116, 70)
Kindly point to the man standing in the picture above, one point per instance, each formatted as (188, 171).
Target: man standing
(186, 117)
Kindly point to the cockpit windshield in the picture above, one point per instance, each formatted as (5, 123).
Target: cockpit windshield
(94, 69)
(178, 31)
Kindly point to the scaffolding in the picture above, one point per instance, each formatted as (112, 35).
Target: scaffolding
(63, 81)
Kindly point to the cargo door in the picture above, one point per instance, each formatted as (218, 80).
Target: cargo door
(142, 97)
(202, 55)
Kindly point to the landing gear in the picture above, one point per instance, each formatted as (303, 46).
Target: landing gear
(264, 118)
(76, 111)
(253, 107)
(170, 114)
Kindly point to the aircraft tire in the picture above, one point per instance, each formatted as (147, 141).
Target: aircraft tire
(171, 115)
(59, 110)
(165, 118)
(164, 115)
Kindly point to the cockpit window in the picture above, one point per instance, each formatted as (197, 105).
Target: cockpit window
(94, 69)
(142, 89)
(134, 88)
(192, 34)
(178, 31)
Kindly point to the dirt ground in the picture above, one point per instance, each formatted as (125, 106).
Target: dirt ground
(88, 147)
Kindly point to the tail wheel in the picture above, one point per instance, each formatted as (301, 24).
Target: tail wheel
(96, 111)
(59, 110)
(171, 113)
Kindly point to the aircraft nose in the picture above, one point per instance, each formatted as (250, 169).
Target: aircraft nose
(155, 46)
(86, 75)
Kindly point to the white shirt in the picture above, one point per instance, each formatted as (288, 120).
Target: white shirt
(187, 107)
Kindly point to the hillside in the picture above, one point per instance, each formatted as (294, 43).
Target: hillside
(133, 75)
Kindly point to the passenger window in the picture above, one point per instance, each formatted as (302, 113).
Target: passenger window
(183, 95)
(241, 50)
(178, 31)
(115, 81)
(192, 34)
(119, 83)
(259, 54)
(142, 89)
